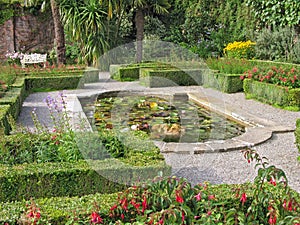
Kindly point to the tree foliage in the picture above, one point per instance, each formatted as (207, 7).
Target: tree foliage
(276, 13)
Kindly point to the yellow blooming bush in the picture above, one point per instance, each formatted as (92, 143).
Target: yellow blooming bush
(240, 49)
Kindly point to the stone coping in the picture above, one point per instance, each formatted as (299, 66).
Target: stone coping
(257, 130)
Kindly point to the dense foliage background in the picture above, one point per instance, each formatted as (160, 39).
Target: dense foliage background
(203, 26)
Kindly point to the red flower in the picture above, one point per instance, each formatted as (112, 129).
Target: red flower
(96, 218)
(243, 198)
(272, 181)
(182, 216)
(179, 199)
(161, 221)
(272, 219)
(198, 196)
(211, 197)
(284, 204)
(144, 204)
(113, 207)
(122, 216)
(290, 206)
(124, 203)
(209, 213)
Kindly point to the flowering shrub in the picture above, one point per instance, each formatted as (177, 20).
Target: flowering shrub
(175, 201)
(284, 77)
(240, 49)
(14, 57)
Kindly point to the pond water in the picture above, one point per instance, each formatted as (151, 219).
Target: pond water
(162, 118)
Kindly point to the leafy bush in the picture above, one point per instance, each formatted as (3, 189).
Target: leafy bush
(273, 94)
(171, 77)
(240, 49)
(174, 201)
(283, 77)
(276, 45)
(297, 136)
(228, 83)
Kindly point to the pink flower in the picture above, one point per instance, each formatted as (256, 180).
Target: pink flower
(243, 199)
(96, 219)
(272, 219)
(144, 204)
(198, 196)
(211, 197)
(179, 199)
(209, 213)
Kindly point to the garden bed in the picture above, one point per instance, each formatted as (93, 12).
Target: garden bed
(273, 94)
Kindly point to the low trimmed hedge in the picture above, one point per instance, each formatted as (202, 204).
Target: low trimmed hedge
(297, 135)
(52, 83)
(272, 94)
(172, 77)
(24, 85)
(132, 72)
(4, 120)
(228, 83)
(71, 179)
(58, 210)
(13, 98)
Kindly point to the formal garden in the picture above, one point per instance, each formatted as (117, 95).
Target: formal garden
(62, 175)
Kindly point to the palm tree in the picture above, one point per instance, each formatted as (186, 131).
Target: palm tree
(141, 7)
(85, 22)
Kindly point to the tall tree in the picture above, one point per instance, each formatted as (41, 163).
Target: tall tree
(59, 39)
(141, 8)
(59, 33)
(85, 22)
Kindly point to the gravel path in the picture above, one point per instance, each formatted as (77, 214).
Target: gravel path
(227, 167)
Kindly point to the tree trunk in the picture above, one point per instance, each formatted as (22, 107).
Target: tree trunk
(139, 22)
(59, 34)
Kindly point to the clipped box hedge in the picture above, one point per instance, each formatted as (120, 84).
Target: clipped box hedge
(13, 98)
(272, 94)
(171, 77)
(297, 135)
(132, 72)
(58, 210)
(54, 83)
(4, 120)
(71, 179)
(228, 83)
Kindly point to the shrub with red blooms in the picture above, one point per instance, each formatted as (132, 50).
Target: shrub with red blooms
(283, 77)
(175, 201)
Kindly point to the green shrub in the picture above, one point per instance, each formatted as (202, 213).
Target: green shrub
(174, 77)
(57, 210)
(272, 94)
(53, 83)
(275, 45)
(71, 179)
(229, 83)
(5, 126)
(297, 136)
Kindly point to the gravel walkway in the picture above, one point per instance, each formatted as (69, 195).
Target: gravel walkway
(227, 167)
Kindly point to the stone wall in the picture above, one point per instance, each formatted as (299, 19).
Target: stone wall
(26, 33)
